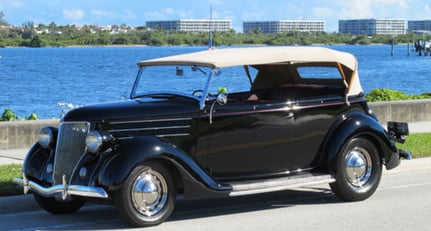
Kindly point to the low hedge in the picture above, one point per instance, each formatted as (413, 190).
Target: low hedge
(382, 94)
(9, 115)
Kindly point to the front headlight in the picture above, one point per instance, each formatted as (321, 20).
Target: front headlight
(46, 137)
(94, 141)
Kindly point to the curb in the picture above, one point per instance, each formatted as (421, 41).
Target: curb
(419, 164)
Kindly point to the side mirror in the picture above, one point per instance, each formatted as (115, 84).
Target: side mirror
(221, 99)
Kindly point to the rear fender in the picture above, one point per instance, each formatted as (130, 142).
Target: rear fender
(356, 124)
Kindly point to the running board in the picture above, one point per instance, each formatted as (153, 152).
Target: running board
(243, 188)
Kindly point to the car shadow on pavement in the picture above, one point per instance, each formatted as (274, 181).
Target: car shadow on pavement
(186, 209)
(102, 217)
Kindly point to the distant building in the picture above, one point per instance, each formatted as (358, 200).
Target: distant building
(372, 27)
(274, 27)
(420, 26)
(203, 25)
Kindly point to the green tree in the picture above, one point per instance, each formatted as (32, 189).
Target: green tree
(28, 30)
(52, 27)
(36, 41)
(3, 22)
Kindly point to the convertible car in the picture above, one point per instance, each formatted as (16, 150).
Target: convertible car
(217, 123)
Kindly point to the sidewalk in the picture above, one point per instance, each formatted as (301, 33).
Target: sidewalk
(12, 156)
(420, 127)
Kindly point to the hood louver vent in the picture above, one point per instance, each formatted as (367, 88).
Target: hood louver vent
(159, 128)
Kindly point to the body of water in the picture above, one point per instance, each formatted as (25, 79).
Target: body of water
(35, 80)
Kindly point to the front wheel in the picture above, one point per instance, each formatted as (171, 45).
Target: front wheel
(358, 170)
(148, 195)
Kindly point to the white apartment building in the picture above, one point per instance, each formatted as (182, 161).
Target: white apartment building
(274, 27)
(372, 27)
(202, 25)
(420, 26)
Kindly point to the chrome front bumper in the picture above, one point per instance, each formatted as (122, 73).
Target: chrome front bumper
(64, 189)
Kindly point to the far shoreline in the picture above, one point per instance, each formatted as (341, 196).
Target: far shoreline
(185, 45)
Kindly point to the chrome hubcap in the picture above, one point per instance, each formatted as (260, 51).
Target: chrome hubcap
(358, 166)
(149, 193)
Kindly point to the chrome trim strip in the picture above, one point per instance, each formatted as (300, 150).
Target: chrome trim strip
(169, 135)
(63, 190)
(150, 121)
(148, 129)
(173, 135)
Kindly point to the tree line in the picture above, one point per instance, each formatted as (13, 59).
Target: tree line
(71, 36)
(52, 35)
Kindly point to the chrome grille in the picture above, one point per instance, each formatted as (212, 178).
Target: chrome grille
(160, 128)
(70, 148)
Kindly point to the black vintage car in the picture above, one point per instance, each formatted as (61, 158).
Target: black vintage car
(228, 122)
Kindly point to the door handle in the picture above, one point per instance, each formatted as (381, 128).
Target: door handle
(289, 115)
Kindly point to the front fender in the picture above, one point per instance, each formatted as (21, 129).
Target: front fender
(134, 151)
(35, 162)
(357, 124)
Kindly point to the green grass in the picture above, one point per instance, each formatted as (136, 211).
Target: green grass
(418, 144)
(7, 175)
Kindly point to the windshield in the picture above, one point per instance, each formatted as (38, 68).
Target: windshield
(181, 80)
(191, 81)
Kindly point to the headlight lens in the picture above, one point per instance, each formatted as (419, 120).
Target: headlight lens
(94, 141)
(45, 137)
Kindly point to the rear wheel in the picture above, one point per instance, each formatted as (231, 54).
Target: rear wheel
(55, 206)
(148, 195)
(358, 170)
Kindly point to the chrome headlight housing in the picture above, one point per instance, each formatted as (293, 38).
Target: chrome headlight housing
(46, 137)
(94, 142)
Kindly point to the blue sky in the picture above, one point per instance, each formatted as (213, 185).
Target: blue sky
(137, 12)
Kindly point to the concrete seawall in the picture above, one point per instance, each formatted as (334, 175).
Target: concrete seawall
(403, 111)
(22, 134)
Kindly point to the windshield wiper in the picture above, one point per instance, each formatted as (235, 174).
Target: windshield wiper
(196, 68)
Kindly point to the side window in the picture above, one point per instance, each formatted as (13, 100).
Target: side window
(233, 79)
(319, 72)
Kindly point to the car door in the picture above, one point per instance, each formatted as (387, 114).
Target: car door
(253, 139)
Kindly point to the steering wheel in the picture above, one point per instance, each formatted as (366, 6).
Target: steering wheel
(198, 93)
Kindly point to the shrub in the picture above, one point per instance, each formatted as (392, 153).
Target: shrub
(9, 115)
(382, 94)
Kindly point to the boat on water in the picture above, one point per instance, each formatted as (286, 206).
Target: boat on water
(423, 47)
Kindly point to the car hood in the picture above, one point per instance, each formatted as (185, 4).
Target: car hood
(136, 109)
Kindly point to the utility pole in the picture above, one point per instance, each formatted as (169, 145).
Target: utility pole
(210, 45)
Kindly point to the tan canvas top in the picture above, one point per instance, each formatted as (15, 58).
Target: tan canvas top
(256, 56)
(265, 55)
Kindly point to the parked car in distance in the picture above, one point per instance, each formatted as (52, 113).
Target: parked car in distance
(228, 122)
